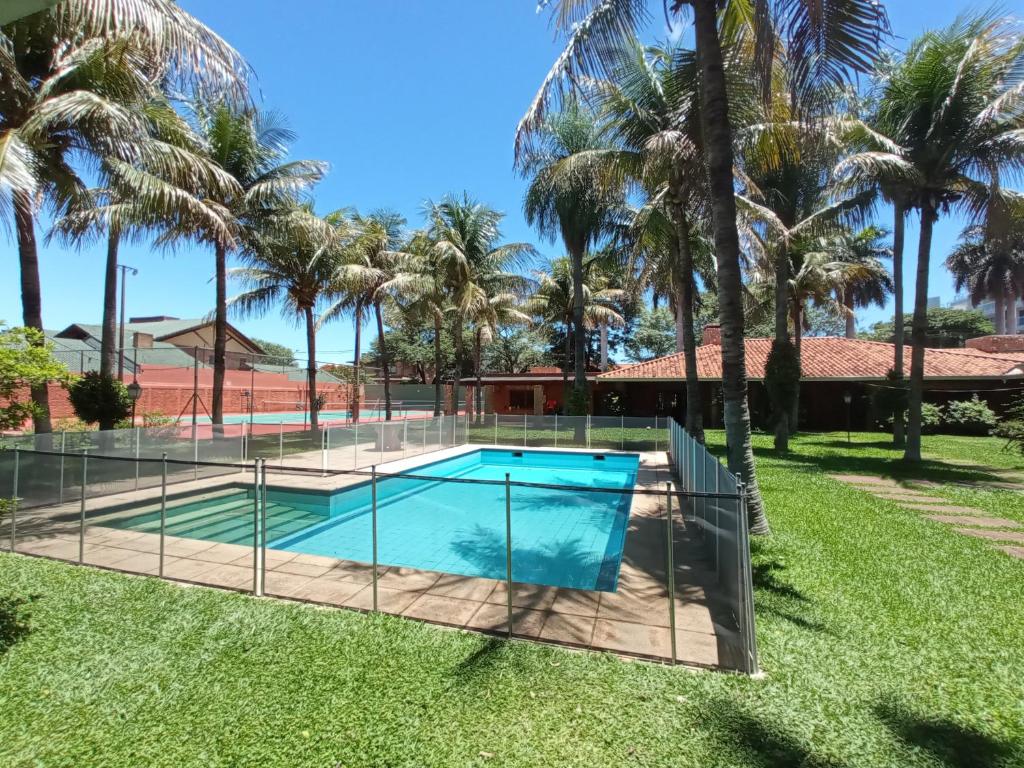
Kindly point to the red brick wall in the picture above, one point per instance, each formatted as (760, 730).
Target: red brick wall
(996, 344)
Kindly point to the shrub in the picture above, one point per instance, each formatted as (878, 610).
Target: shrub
(931, 418)
(102, 399)
(969, 417)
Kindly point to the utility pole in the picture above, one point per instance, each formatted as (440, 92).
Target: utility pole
(120, 355)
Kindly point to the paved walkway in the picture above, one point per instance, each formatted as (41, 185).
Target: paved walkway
(633, 620)
(968, 520)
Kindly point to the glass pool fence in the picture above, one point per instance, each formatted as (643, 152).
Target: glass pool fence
(680, 594)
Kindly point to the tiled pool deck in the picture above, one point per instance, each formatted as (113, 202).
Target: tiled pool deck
(633, 620)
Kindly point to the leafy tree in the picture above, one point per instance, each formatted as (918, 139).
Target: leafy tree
(275, 354)
(991, 263)
(26, 360)
(99, 398)
(653, 336)
(515, 349)
(945, 327)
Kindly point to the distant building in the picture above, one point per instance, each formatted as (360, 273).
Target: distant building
(988, 309)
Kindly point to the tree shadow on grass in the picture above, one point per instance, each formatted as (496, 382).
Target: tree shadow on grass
(752, 743)
(14, 625)
(782, 599)
(951, 744)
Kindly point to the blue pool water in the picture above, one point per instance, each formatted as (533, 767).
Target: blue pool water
(559, 538)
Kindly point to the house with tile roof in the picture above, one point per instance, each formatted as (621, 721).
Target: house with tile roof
(992, 367)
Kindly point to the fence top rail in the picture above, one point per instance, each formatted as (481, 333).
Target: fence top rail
(671, 490)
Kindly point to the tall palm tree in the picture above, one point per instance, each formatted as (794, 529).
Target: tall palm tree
(650, 102)
(368, 277)
(250, 147)
(495, 306)
(950, 106)
(168, 180)
(425, 298)
(72, 74)
(824, 40)
(553, 303)
(569, 196)
(864, 280)
(291, 259)
(466, 236)
(993, 268)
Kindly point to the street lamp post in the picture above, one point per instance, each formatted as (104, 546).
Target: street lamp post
(847, 398)
(134, 392)
(120, 357)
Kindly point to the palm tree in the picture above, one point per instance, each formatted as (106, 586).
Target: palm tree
(569, 196)
(72, 76)
(992, 267)
(864, 280)
(168, 181)
(822, 41)
(292, 257)
(495, 306)
(553, 304)
(466, 237)
(950, 106)
(649, 101)
(425, 298)
(372, 270)
(249, 146)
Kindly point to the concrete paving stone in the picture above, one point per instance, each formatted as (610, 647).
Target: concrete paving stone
(358, 573)
(408, 579)
(284, 584)
(630, 637)
(388, 600)
(910, 498)
(320, 560)
(865, 480)
(463, 587)
(441, 609)
(568, 628)
(331, 592)
(1017, 552)
(577, 602)
(139, 562)
(981, 522)
(535, 596)
(494, 618)
(950, 509)
(226, 553)
(232, 576)
(697, 648)
(993, 535)
(302, 569)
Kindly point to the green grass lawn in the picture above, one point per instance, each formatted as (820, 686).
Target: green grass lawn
(886, 640)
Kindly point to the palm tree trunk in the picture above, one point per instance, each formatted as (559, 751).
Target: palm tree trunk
(851, 319)
(220, 335)
(678, 317)
(382, 346)
(1010, 323)
(565, 369)
(460, 359)
(900, 215)
(31, 296)
(604, 345)
(999, 320)
(478, 394)
(798, 335)
(684, 309)
(437, 365)
(783, 411)
(109, 320)
(718, 138)
(579, 337)
(357, 385)
(917, 335)
(314, 410)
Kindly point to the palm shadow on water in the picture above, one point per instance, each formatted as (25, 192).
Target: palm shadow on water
(14, 621)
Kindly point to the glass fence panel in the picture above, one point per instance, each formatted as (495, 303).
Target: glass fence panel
(573, 432)
(482, 431)
(542, 431)
(511, 431)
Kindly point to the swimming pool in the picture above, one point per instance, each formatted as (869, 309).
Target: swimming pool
(559, 538)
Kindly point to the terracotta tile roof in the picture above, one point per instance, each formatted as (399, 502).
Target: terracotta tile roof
(830, 357)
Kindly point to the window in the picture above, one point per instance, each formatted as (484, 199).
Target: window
(520, 399)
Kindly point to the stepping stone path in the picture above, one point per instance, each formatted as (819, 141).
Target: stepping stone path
(969, 521)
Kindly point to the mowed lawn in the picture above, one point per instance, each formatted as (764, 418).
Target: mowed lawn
(886, 640)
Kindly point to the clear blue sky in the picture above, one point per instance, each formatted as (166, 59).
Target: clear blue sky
(407, 100)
